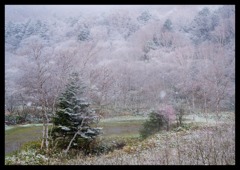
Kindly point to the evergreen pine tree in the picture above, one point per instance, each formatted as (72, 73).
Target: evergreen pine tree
(167, 26)
(73, 115)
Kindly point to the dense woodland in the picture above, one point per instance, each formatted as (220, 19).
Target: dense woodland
(129, 59)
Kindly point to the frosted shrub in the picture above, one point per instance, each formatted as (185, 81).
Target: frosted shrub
(28, 157)
(158, 120)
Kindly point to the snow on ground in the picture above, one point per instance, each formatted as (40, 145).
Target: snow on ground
(123, 118)
(26, 125)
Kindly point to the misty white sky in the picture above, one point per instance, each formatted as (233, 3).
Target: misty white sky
(21, 12)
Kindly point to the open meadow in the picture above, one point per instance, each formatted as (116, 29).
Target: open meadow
(204, 140)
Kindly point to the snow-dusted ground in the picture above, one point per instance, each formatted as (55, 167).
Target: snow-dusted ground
(211, 118)
(208, 118)
(26, 125)
(8, 127)
(124, 118)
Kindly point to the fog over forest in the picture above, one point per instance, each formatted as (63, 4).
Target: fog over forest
(100, 84)
(127, 55)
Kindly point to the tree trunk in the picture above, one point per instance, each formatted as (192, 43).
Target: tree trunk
(205, 102)
(218, 102)
(70, 143)
(45, 130)
(193, 102)
(43, 135)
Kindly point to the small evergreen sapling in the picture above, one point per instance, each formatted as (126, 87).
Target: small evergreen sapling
(74, 118)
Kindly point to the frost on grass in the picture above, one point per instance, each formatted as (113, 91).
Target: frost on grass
(29, 157)
(212, 145)
(26, 125)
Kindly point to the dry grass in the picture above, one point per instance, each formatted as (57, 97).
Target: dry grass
(199, 143)
(202, 145)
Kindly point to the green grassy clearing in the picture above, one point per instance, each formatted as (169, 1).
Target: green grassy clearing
(17, 136)
(124, 126)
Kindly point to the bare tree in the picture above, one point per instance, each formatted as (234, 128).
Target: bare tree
(36, 77)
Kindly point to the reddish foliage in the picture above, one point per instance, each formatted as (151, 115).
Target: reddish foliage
(168, 112)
